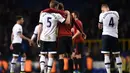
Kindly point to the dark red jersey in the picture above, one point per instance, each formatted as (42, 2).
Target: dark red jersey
(79, 38)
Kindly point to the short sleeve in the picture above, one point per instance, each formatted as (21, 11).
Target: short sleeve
(20, 30)
(60, 18)
(79, 23)
(101, 18)
(40, 19)
(36, 30)
(117, 15)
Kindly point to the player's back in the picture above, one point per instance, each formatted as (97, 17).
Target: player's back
(49, 21)
(110, 23)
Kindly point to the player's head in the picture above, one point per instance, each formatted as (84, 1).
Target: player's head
(54, 4)
(19, 19)
(105, 8)
(75, 14)
(61, 6)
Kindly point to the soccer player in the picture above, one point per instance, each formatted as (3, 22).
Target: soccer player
(108, 20)
(16, 45)
(47, 34)
(78, 41)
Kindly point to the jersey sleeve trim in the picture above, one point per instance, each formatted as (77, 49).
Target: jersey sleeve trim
(100, 22)
(40, 23)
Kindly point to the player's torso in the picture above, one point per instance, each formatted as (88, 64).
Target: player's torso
(110, 23)
(79, 38)
(49, 27)
(64, 30)
(16, 30)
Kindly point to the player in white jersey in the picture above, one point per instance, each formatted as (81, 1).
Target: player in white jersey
(16, 45)
(48, 35)
(108, 20)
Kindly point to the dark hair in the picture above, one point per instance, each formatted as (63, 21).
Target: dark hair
(18, 18)
(53, 4)
(76, 13)
(105, 5)
(61, 6)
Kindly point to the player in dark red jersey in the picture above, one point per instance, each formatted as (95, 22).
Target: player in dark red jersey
(64, 42)
(78, 41)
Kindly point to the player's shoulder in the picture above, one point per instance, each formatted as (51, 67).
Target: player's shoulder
(101, 14)
(37, 27)
(17, 26)
(43, 14)
(112, 12)
(56, 14)
(79, 21)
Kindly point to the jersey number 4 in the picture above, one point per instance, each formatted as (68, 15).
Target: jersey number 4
(49, 22)
(111, 23)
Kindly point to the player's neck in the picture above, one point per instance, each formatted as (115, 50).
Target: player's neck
(18, 23)
(76, 18)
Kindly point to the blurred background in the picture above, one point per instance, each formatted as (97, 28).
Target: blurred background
(89, 14)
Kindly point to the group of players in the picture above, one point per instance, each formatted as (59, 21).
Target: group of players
(55, 22)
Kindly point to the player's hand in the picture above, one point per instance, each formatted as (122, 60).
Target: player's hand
(72, 30)
(67, 12)
(11, 47)
(73, 38)
(84, 35)
(38, 43)
(30, 42)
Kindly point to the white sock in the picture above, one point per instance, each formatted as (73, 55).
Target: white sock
(50, 63)
(46, 61)
(107, 64)
(13, 64)
(119, 64)
(23, 59)
(42, 62)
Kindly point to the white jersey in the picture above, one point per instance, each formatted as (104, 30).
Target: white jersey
(110, 20)
(49, 21)
(35, 32)
(17, 29)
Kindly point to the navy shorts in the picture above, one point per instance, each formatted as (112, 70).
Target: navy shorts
(64, 45)
(79, 48)
(110, 45)
(48, 47)
(17, 49)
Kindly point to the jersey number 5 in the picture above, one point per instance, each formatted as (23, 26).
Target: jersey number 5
(111, 23)
(49, 22)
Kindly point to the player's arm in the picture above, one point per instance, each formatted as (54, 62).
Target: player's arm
(76, 34)
(12, 36)
(62, 20)
(39, 27)
(77, 31)
(39, 32)
(67, 21)
(79, 28)
(33, 36)
(11, 46)
(35, 33)
(100, 24)
(23, 37)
